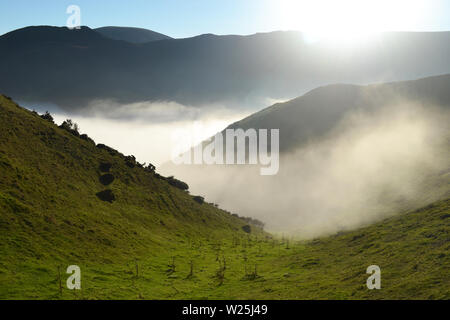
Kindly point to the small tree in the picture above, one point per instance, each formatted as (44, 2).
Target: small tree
(177, 183)
(70, 126)
(150, 167)
(47, 116)
(199, 199)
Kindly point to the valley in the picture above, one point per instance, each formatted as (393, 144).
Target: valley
(153, 241)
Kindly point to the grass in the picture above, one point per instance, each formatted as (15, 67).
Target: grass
(156, 242)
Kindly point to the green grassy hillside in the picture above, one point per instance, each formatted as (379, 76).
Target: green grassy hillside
(154, 241)
(51, 215)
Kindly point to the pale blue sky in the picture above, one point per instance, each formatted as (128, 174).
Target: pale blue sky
(184, 18)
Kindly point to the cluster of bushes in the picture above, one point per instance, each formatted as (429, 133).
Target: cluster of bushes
(106, 195)
(131, 162)
(177, 183)
(171, 180)
(150, 168)
(85, 137)
(199, 199)
(249, 220)
(110, 150)
(71, 127)
(47, 116)
(254, 222)
(247, 229)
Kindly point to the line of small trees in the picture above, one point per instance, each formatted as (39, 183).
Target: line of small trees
(72, 127)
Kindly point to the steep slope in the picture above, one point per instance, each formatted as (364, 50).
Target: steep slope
(53, 187)
(133, 35)
(317, 113)
(71, 68)
(379, 149)
(155, 242)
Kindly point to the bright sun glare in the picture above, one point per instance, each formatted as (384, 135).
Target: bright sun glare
(346, 20)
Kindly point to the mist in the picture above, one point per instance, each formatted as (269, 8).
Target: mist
(371, 165)
(144, 129)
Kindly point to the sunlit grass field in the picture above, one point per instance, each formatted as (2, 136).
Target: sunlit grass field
(155, 242)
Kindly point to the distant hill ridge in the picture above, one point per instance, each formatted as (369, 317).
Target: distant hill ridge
(129, 34)
(46, 64)
(318, 111)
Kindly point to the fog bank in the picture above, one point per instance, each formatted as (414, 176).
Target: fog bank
(370, 166)
(144, 129)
